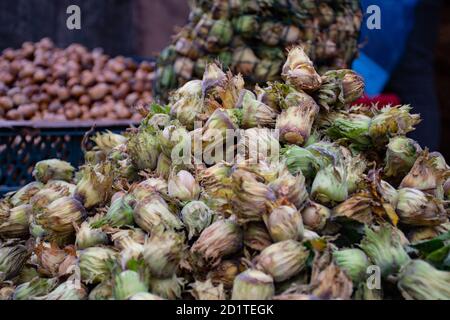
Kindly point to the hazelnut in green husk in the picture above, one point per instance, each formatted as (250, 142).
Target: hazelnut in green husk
(354, 262)
(254, 112)
(330, 185)
(253, 285)
(282, 260)
(252, 196)
(216, 184)
(153, 212)
(222, 238)
(16, 225)
(299, 71)
(158, 121)
(295, 123)
(94, 264)
(53, 169)
(291, 188)
(106, 141)
(256, 236)
(45, 196)
(143, 149)
(35, 288)
(95, 186)
(187, 103)
(128, 283)
(163, 252)
(244, 60)
(69, 290)
(183, 186)
(246, 25)
(94, 157)
(102, 291)
(392, 121)
(196, 216)
(258, 144)
(301, 160)
(149, 186)
(364, 293)
(219, 35)
(268, 70)
(163, 166)
(284, 223)
(12, 260)
(172, 136)
(24, 194)
(89, 237)
(213, 135)
(417, 208)
(315, 216)
(401, 154)
(419, 280)
(60, 216)
(27, 274)
(119, 214)
(168, 288)
(339, 88)
(351, 126)
(385, 249)
(212, 79)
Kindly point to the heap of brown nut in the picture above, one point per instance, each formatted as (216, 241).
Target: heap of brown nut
(42, 82)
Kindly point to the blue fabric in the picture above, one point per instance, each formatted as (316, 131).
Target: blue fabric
(382, 49)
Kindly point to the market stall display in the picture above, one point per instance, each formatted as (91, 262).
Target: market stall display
(299, 212)
(251, 37)
(42, 82)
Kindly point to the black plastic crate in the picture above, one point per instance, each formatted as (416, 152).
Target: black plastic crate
(23, 143)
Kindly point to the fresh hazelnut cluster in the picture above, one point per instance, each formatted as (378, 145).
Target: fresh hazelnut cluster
(42, 82)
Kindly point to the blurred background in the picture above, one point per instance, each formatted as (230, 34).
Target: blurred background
(141, 28)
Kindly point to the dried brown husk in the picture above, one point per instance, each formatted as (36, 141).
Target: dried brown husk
(428, 174)
(420, 209)
(206, 290)
(252, 197)
(222, 238)
(328, 281)
(282, 260)
(256, 236)
(49, 258)
(225, 273)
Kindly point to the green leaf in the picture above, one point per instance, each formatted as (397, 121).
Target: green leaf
(429, 246)
(134, 265)
(439, 257)
(157, 108)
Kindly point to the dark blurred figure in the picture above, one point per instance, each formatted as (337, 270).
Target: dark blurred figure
(414, 77)
(399, 58)
(442, 67)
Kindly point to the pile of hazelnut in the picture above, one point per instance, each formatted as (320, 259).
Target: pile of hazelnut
(42, 82)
